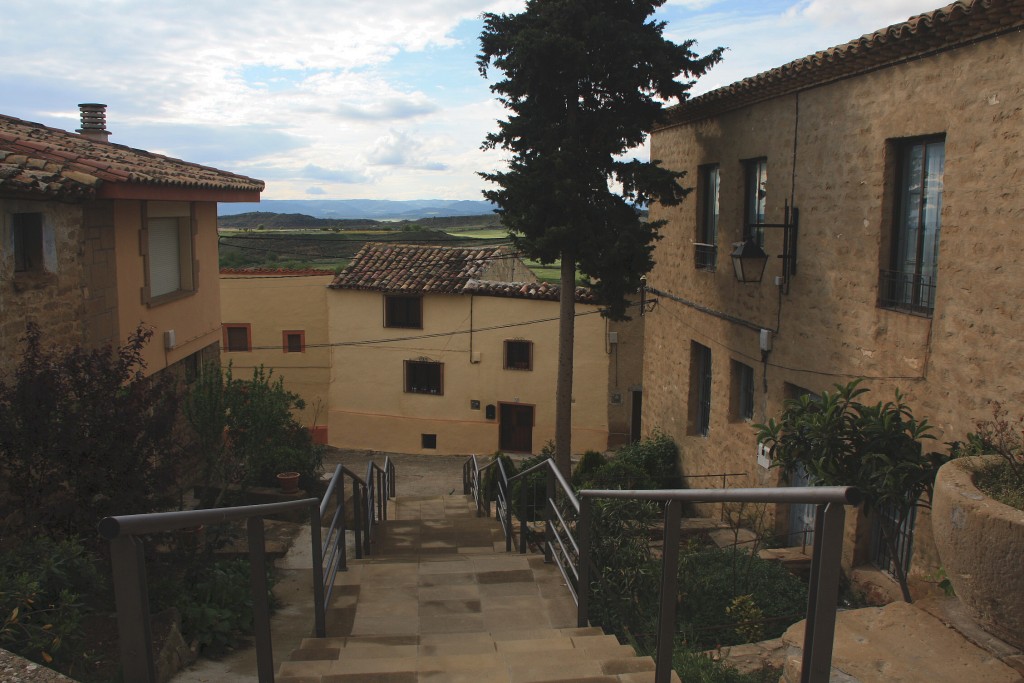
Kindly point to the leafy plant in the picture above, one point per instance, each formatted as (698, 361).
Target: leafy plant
(42, 586)
(1005, 438)
(247, 432)
(840, 441)
(84, 434)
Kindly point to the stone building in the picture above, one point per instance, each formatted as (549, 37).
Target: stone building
(434, 350)
(99, 237)
(897, 159)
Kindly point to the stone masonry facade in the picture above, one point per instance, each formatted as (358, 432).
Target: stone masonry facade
(831, 151)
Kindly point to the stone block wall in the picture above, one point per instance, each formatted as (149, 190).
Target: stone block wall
(52, 298)
(100, 268)
(831, 153)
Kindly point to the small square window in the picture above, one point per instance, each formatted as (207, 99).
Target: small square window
(294, 341)
(403, 311)
(237, 337)
(28, 242)
(424, 377)
(428, 441)
(518, 355)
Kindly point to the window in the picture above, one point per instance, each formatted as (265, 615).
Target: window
(168, 251)
(700, 389)
(424, 377)
(428, 441)
(518, 355)
(293, 341)
(403, 311)
(237, 337)
(742, 391)
(755, 185)
(28, 242)
(910, 283)
(706, 248)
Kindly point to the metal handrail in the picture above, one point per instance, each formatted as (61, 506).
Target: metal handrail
(329, 556)
(472, 484)
(825, 560)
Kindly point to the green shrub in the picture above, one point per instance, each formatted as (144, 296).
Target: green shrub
(647, 464)
(43, 584)
(700, 667)
(84, 435)
(591, 461)
(214, 598)
(247, 432)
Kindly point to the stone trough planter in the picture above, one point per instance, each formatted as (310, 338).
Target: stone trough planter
(981, 545)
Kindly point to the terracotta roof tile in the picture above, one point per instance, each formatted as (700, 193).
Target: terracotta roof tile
(415, 269)
(39, 160)
(541, 291)
(943, 29)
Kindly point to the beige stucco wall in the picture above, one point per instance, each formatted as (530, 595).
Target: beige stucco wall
(195, 318)
(370, 409)
(53, 300)
(273, 304)
(829, 150)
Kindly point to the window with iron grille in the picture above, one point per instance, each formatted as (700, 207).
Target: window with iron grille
(403, 311)
(518, 354)
(424, 377)
(700, 389)
(909, 283)
(742, 391)
(755, 193)
(885, 557)
(705, 252)
(237, 337)
(294, 341)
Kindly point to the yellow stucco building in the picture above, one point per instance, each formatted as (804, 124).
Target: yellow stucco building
(434, 350)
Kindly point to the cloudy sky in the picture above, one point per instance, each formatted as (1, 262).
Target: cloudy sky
(339, 99)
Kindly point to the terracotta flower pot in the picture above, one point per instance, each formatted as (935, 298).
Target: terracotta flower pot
(289, 481)
(981, 545)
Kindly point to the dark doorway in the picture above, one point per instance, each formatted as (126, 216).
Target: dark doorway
(516, 429)
(634, 423)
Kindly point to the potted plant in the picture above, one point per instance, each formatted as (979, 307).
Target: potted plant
(978, 525)
(289, 482)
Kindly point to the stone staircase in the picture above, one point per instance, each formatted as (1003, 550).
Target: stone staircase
(442, 601)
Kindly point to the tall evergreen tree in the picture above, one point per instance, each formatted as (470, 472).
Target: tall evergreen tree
(584, 81)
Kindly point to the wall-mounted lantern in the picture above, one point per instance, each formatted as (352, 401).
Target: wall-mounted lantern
(749, 259)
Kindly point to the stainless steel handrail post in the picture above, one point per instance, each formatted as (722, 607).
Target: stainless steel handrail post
(357, 523)
(342, 523)
(522, 516)
(132, 599)
(669, 591)
(826, 566)
(583, 589)
(319, 609)
(260, 608)
(549, 515)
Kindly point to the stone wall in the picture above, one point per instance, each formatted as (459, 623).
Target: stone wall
(51, 298)
(830, 152)
(100, 266)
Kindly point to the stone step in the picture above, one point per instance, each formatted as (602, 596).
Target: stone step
(441, 600)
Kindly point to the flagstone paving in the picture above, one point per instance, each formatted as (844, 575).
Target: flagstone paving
(441, 601)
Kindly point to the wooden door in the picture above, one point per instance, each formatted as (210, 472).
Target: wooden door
(516, 428)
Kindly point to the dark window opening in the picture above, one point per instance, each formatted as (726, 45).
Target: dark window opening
(706, 248)
(403, 311)
(755, 193)
(294, 341)
(428, 441)
(909, 283)
(700, 389)
(236, 337)
(518, 355)
(424, 377)
(28, 242)
(742, 391)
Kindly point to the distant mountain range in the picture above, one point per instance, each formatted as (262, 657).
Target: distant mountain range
(377, 209)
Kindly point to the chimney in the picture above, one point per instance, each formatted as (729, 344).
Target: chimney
(94, 122)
